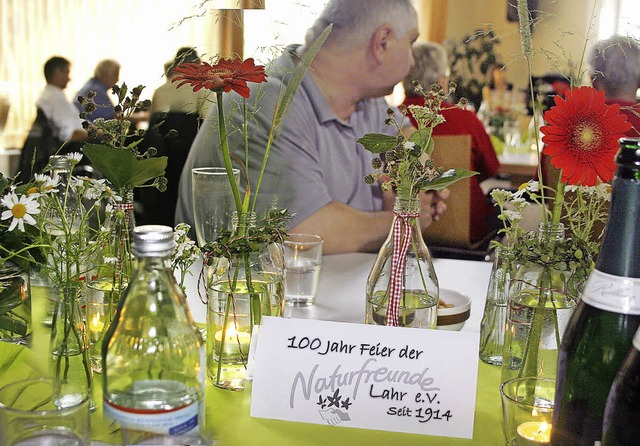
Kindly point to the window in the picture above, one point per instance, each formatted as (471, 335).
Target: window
(621, 17)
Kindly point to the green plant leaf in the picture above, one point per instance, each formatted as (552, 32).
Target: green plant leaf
(421, 138)
(447, 179)
(3, 182)
(296, 78)
(122, 168)
(377, 142)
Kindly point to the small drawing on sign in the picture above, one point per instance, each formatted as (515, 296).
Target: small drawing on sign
(332, 406)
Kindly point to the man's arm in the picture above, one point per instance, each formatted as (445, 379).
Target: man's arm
(346, 229)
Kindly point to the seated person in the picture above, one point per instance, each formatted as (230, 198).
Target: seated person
(430, 67)
(615, 69)
(316, 168)
(57, 123)
(105, 76)
(168, 97)
(172, 109)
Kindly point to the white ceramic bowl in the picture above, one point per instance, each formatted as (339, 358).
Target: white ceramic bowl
(453, 318)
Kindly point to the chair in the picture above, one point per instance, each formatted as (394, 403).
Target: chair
(450, 236)
(155, 207)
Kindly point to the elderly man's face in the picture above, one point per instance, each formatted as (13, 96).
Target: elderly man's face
(402, 58)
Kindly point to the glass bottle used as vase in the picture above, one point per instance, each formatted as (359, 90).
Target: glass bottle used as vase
(402, 287)
(241, 289)
(15, 305)
(541, 301)
(109, 281)
(72, 374)
(495, 308)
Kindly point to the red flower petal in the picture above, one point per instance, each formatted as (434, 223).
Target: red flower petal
(581, 136)
(226, 75)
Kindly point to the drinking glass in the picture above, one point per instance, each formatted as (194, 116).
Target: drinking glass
(302, 261)
(527, 408)
(28, 416)
(213, 204)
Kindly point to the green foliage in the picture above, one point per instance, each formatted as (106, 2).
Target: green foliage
(408, 164)
(123, 168)
(271, 228)
(116, 155)
(470, 60)
(378, 143)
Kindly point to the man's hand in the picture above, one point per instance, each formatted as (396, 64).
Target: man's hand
(432, 206)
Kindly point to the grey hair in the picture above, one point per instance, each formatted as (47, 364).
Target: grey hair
(615, 63)
(106, 67)
(354, 21)
(430, 64)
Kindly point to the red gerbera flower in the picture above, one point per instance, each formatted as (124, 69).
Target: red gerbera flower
(227, 75)
(582, 136)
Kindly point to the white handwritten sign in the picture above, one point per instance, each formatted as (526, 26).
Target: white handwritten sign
(365, 376)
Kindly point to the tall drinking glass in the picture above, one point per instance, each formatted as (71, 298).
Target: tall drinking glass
(213, 204)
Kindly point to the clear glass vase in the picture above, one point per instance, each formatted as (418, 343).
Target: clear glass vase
(72, 374)
(495, 308)
(402, 287)
(111, 278)
(541, 299)
(15, 305)
(242, 288)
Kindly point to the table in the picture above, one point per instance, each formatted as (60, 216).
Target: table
(341, 298)
(519, 166)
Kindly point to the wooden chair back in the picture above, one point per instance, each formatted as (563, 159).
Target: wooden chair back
(453, 228)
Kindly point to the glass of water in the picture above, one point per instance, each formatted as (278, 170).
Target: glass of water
(28, 416)
(213, 204)
(302, 258)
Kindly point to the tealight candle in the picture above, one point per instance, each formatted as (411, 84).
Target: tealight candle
(96, 324)
(533, 433)
(236, 343)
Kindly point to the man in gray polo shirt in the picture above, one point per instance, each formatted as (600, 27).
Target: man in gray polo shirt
(316, 168)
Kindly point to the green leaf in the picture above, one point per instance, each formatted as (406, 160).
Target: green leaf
(421, 138)
(447, 179)
(296, 78)
(287, 97)
(3, 182)
(378, 143)
(122, 168)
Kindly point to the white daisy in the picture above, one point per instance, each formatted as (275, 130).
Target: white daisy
(20, 209)
(408, 145)
(75, 157)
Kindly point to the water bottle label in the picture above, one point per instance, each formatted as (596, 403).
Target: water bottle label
(178, 421)
(613, 293)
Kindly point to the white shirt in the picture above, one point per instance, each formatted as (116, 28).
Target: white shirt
(62, 114)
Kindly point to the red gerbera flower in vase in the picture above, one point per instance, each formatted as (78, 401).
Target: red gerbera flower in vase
(226, 75)
(582, 138)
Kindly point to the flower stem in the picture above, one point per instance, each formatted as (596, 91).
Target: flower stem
(558, 201)
(226, 157)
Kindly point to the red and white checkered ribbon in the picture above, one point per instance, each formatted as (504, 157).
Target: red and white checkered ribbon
(127, 208)
(401, 240)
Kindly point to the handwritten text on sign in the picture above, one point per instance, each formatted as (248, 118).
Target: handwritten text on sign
(364, 376)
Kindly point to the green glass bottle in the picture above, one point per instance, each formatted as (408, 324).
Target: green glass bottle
(600, 331)
(621, 425)
(153, 357)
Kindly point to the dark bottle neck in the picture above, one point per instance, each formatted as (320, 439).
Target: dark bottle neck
(620, 251)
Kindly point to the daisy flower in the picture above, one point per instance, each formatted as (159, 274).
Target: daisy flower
(20, 209)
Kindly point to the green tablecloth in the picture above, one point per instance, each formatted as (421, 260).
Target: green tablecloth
(227, 414)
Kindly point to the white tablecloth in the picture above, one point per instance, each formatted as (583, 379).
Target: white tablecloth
(341, 291)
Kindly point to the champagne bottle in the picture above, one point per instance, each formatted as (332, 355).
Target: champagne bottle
(601, 329)
(153, 356)
(621, 425)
